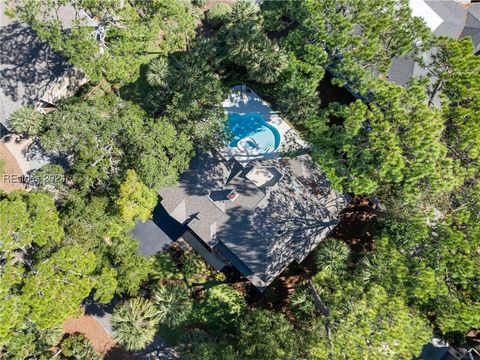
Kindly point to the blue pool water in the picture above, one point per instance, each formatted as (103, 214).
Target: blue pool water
(251, 131)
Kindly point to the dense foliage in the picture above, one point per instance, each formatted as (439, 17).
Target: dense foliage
(399, 146)
(104, 136)
(109, 39)
(154, 98)
(356, 39)
(77, 347)
(33, 264)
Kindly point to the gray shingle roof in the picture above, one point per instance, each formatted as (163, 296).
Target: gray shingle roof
(188, 201)
(402, 69)
(28, 67)
(157, 234)
(472, 27)
(453, 15)
(266, 227)
(459, 20)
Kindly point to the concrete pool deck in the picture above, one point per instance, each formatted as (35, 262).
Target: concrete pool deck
(243, 100)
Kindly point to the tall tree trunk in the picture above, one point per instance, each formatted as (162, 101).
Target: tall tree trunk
(139, 11)
(320, 306)
(317, 299)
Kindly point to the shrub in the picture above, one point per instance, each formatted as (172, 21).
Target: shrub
(199, 3)
(220, 307)
(302, 303)
(157, 72)
(332, 256)
(218, 14)
(194, 267)
(164, 268)
(77, 347)
(220, 277)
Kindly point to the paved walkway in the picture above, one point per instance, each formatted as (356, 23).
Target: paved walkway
(27, 157)
(91, 329)
(10, 179)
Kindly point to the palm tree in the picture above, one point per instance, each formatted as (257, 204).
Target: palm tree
(157, 72)
(241, 42)
(26, 120)
(269, 63)
(332, 256)
(173, 303)
(135, 323)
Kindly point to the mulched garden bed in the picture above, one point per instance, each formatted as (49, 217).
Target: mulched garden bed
(355, 225)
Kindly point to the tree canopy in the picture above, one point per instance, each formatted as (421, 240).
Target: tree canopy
(104, 136)
(41, 283)
(376, 326)
(357, 39)
(158, 73)
(109, 39)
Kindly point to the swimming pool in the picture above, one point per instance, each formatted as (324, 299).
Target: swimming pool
(252, 133)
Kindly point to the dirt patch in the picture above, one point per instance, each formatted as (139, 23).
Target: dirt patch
(10, 179)
(212, 3)
(276, 296)
(355, 225)
(101, 341)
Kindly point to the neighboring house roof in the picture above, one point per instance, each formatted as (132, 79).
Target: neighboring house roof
(69, 16)
(453, 15)
(472, 26)
(30, 70)
(283, 209)
(31, 73)
(28, 67)
(455, 19)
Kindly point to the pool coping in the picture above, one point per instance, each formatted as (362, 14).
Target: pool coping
(243, 100)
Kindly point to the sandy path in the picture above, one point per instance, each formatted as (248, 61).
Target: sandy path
(10, 178)
(93, 331)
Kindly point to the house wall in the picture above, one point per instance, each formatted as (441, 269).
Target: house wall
(209, 257)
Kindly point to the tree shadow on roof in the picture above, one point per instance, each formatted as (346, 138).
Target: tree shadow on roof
(286, 227)
(171, 227)
(28, 66)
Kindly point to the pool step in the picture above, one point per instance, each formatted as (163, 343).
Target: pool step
(267, 149)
